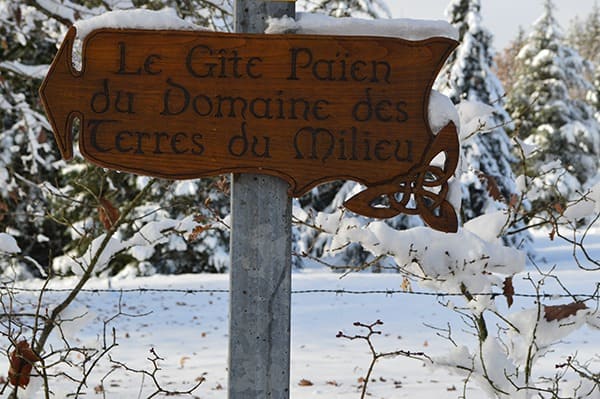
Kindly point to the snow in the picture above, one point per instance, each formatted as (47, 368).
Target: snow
(489, 226)
(8, 244)
(408, 29)
(32, 71)
(166, 18)
(445, 262)
(441, 111)
(190, 332)
(475, 117)
(579, 210)
(527, 149)
(585, 206)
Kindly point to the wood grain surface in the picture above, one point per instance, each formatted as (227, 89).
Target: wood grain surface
(188, 104)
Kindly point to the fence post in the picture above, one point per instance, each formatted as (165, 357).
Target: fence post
(260, 276)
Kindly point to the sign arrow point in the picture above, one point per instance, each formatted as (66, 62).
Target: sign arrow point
(56, 90)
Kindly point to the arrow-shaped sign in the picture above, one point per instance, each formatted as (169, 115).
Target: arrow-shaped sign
(309, 109)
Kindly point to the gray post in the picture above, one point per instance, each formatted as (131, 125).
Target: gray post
(259, 310)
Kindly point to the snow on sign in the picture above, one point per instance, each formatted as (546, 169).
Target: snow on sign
(309, 109)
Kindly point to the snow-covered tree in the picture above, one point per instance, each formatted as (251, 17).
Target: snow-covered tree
(547, 103)
(584, 35)
(487, 178)
(506, 60)
(346, 8)
(593, 96)
(27, 156)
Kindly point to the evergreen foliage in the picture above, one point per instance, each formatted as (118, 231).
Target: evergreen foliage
(584, 36)
(27, 154)
(506, 60)
(487, 181)
(593, 96)
(346, 8)
(547, 101)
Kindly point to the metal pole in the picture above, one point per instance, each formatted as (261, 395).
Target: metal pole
(260, 276)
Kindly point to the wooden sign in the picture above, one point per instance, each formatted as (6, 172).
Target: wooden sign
(309, 109)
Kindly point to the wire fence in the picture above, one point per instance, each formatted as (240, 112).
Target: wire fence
(387, 292)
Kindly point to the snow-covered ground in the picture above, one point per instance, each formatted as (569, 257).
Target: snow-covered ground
(189, 331)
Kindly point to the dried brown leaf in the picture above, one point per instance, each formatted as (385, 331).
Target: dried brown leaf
(182, 361)
(558, 208)
(21, 364)
(305, 383)
(42, 136)
(222, 185)
(514, 201)
(492, 186)
(560, 312)
(107, 213)
(406, 286)
(3, 210)
(197, 231)
(508, 290)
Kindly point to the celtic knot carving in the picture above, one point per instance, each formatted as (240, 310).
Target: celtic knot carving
(422, 191)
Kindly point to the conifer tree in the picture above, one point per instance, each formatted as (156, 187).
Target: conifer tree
(488, 181)
(347, 8)
(27, 157)
(547, 103)
(506, 60)
(593, 96)
(584, 36)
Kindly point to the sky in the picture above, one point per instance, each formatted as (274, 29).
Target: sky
(501, 17)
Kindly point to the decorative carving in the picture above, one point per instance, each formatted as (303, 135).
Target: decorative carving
(422, 191)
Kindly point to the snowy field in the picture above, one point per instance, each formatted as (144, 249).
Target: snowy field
(189, 331)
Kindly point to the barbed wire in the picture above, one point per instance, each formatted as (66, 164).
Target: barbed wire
(387, 292)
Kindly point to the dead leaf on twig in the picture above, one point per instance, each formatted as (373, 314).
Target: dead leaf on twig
(21, 364)
(560, 312)
(508, 290)
(107, 213)
(406, 286)
(492, 186)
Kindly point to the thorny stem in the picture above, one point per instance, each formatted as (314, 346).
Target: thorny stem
(375, 356)
(155, 369)
(51, 323)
